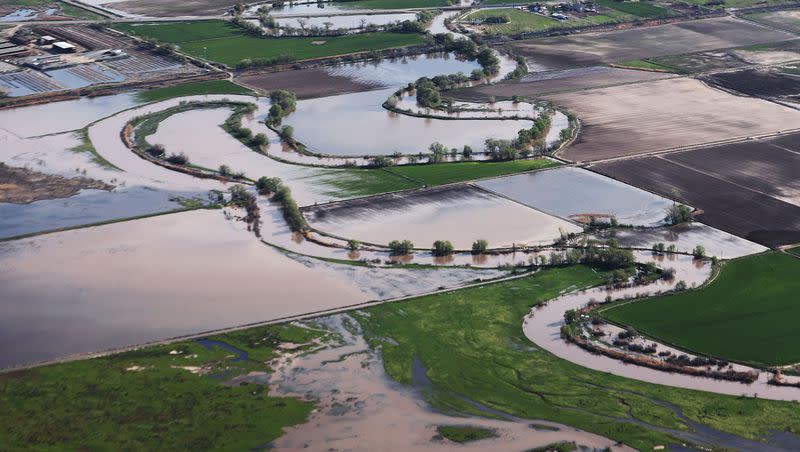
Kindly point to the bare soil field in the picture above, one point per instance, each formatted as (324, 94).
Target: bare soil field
(758, 82)
(160, 8)
(538, 83)
(787, 20)
(306, 83)
(749, 189)
(23, 186)
(591, 49)
(665, 114)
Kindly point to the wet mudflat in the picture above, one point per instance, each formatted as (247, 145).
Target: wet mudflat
(665, 114)
(460, 214)
(591, 49)
(726, 205)
(578, 194)
(22, 185)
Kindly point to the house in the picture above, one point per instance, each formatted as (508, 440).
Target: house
(63, 47)
(46, 40)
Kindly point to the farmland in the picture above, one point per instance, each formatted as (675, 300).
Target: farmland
(224, 43)
(788, 20)
(190, 89)
(640, 118)
(749, 189)
(737, 317)
(536, 84)
(431, 175)
(588, 49)
(524, 22)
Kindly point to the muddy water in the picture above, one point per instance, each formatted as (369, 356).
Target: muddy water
(568, 192)
(444, 213)
(128, 283)
(685, 238)
(62, 116)
(275, 231)
(210, 146)
(543, 327)
(357, 124)
(360, 408)
(53, 155)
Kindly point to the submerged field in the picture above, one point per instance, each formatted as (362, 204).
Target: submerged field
(227, 44)
(747, 314)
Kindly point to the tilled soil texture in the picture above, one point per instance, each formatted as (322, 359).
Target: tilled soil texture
(590, 49)
(306, 83)
(538, 83)
(763, 83)
(662, 115)
(161, 8)
(749, 189)
(23, 186)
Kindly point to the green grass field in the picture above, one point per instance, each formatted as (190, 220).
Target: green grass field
(473, 348)
(191, 89)
(345, 183)
(523, 21)
(224, 43)
(446, 173)
(141, 400)
(748, 314)
(464, 433)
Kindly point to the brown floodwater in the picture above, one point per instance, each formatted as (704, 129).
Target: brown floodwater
(460, 214)
(129, 283)
(360, 408)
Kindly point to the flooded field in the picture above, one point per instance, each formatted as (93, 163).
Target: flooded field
(128, 283)
(211, 147)
(641, 118)
(591, 49)
(62, 116)
(361, 407)
(438, 214)
(577, 194)
(685, 237)
(337, 126)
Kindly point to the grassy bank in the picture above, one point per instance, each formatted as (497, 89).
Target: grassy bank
(151, 399)
(748, 314)
(192, 89)
(473, 347)
(225, 43)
